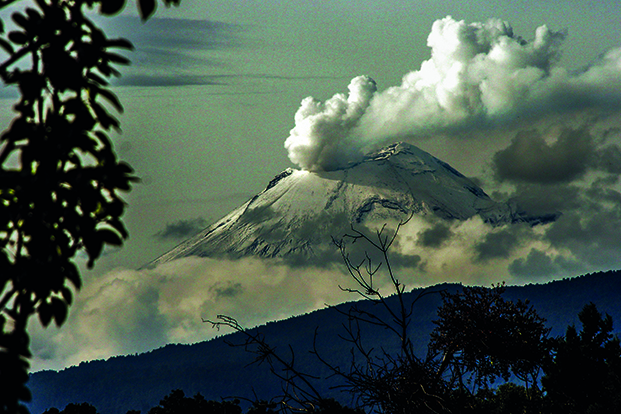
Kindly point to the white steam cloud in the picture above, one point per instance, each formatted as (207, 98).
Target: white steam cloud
(320, 137)
(479, 74)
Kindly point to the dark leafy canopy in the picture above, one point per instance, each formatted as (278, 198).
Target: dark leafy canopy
(481, 333)
(585, 374)
(177, 403)
(82, 408)
(60, 180)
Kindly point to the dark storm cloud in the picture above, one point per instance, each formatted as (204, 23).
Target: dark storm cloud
(498, 245)
(536, 265)
(174, 34)
(531, 159)
(543, 199)
(586, 235)
(405, 261)
(181, 229)
(591, 234)
(435, 236)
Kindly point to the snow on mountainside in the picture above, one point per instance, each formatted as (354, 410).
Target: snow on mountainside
(300, 211)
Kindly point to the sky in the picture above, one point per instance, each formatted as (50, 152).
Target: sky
(521, 96)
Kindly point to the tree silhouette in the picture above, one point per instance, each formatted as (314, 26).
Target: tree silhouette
(83, 408)
(388, 381)
(60, 179)
(177, 403)
(481, 334)
(585, 374)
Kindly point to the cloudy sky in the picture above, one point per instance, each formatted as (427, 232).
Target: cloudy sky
(522, 96)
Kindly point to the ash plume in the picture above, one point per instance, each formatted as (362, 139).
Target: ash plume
(321, 137)
(479, 75)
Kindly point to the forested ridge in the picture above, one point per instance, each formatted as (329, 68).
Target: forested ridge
(216, 370)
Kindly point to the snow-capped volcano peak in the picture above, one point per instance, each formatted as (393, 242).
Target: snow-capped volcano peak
(299, 211)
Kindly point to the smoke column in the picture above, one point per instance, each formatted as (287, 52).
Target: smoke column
(478, 74)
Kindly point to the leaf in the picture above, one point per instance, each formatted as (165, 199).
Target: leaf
(115, 208)
(120, 43)
(104, 140)
(110, 7)
(67, 295)
(94, 247)
(110, 237)
(19, 38)
(146, 8)
(103, 117)
(119, 226)
(45, 313)
(20, 20)
(33, 15)
(59, 311)
(112, 98)
(7, 46)
(116, 58)
(96, 78)
(73, 275)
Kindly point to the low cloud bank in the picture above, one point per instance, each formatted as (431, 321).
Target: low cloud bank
(129, 311)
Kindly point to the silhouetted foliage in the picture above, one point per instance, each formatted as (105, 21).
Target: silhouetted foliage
(82, 408)
(508, 398)
(391, 381)
(585, 374)
(177, 403)
(60, 179)
(482, 334)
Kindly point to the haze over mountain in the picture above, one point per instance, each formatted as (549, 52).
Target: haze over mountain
(300, 211)
(217, 370)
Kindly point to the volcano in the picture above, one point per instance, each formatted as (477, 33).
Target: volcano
(299, 212)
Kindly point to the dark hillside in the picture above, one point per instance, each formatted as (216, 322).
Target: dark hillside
(216, 370)
(560, 301)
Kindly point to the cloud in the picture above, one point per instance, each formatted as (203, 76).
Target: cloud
(165, 80)
(181, 229)
(319, 139)
(530, 158)
(572, 171)
(227, 290)
(128, 311)
(171, 51)
(499, 243)
(538, 265)
(435, 236)
(552, 145)
(479, 76)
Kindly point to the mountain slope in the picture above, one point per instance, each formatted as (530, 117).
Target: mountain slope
(216, 370)
(299, 211)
